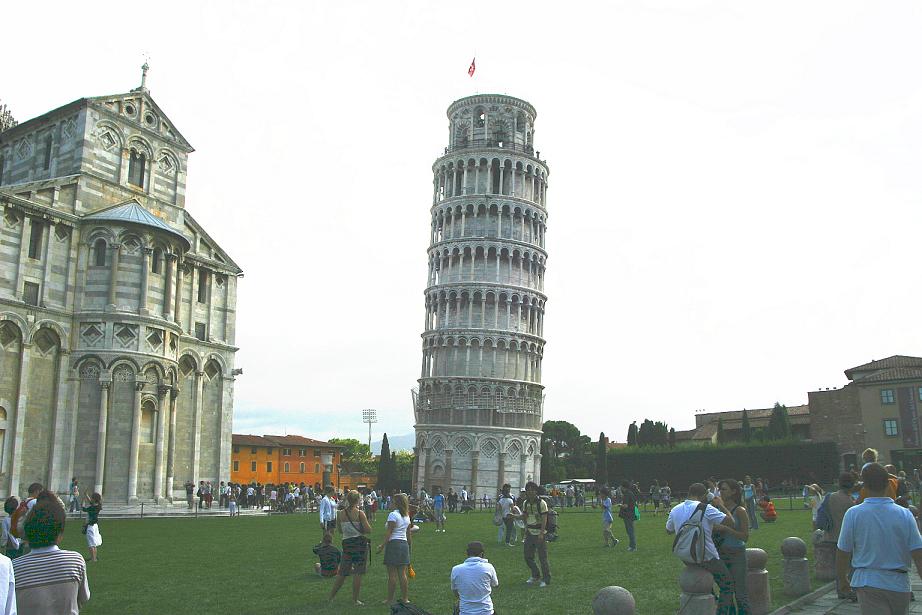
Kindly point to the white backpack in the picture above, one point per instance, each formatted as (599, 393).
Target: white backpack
(689, 543)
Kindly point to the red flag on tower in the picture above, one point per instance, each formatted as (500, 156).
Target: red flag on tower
(473, 67)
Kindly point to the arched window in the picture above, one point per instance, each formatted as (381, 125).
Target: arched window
(148, 413)
(302, 467)
(99, 253)
(137, 165)
(479, 117)
(155, 260)
(287, 467)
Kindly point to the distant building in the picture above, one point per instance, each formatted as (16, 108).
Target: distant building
(879, 408)
(282, 459)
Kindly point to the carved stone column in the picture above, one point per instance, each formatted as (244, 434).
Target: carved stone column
(135, 442)
(20, 420)
(113, 276)
(168, 286)
(501, 472)
(448, 455)
(101, 433)
(475, 459)
(171, 454)
(164, 394)
(177, 311)
(145, 272)
(197, 423)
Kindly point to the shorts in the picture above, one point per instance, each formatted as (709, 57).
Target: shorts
(330, 525)
(439, 514)
(397, 553)
(355, 558)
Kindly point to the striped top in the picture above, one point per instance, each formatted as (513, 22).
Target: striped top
(51, 581)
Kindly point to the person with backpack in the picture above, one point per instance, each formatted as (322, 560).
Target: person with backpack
(693, 522)
(731, 541)
(353, 526)
(830, 515)
(18, 520)
(534, 514)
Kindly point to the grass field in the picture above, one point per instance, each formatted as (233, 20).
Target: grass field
(264, 565)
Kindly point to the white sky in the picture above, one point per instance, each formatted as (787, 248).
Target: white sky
(734, 188)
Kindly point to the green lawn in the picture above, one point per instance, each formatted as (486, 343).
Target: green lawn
(264, 565)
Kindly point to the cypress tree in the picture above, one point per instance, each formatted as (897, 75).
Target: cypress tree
(672, 437)
(385, 482)
(746, 429)
(721, 436)
(601, 461)
(632, 434)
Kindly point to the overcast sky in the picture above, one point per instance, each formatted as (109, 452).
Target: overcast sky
(734, 203)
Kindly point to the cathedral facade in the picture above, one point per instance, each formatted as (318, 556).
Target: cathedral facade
(117, 309)
(479, 404)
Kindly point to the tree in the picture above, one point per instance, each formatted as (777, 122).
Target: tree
(721, 435)
(385, 477)
(746, 429)
(564, 439)
(356, 456)
(402, 469)
(653, 434)
(601, 460)
(779, 426)
(672, 437)
(632, 434)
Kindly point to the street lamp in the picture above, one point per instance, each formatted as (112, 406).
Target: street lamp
(369, 415)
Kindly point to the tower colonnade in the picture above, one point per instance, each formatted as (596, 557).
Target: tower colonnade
(479, 403)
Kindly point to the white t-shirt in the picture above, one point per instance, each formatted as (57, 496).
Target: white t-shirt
(7, 586)
(474, 580)
(401, 524)
(505, 505)
(682, 512)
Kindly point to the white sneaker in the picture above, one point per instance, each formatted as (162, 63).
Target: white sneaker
(616, 543)
(531, 581)
(542, 584)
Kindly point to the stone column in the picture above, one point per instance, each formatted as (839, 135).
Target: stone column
(177, 310)
(415, 484)
(696, 598)
(448, 456)
(113, 276)
(164, 393)
(197, 423)
(795, 567)
(20, 421)
(101, 434)
(757, 586)
(501, 472)
(427, 468)
(46, 262)
(523, 478)
(145, 277)
(60, 411)
(171, 454)
(536, 474)
(475, 459)
(168, 259)
(824, 557)
(613, 600)
(135, 442)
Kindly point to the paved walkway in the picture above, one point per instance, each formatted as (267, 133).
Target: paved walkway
(830, 604)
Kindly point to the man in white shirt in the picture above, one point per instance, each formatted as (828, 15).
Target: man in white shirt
(473, 581)
(715, 516)
(327, 510)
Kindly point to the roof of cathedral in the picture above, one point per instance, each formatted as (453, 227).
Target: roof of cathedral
(889, 375)
(132, 213)
(897, 360)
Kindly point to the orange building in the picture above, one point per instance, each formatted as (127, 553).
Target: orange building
(281, 459)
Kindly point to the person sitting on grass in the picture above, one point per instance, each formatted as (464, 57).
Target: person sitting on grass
(472, 583)
(768, 512)
(329, 556)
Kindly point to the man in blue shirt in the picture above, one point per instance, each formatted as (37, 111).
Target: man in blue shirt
(438, 504)
(879, 540)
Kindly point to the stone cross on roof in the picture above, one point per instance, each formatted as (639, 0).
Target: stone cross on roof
(143, 87)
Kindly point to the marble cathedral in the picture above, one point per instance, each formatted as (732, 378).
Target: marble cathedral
(117, 309)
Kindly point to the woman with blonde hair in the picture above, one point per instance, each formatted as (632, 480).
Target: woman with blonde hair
(396, 547)
(353, 526)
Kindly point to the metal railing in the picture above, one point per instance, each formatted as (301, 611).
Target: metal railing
(512, 146)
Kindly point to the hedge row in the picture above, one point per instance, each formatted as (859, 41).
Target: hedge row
(802, 462)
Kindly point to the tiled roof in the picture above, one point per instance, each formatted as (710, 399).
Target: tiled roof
(896, 373)
(898, 360)
(248, 440)
(131, 212)
(756, 413)
(300, 441)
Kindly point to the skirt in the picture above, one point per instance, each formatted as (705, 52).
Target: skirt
(397, 553)
(93, 537)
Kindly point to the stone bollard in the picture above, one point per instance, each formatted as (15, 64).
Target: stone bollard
(697, 597)
(760, 593)
(795, 568)
(613, 600)
(824, 557)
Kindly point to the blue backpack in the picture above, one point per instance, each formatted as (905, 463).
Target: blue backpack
(823, 520)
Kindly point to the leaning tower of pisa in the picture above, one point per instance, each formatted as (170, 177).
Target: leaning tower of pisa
(479, 404)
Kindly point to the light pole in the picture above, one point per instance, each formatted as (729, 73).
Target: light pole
(369, 415)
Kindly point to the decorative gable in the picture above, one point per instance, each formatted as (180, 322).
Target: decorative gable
(140, 110)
